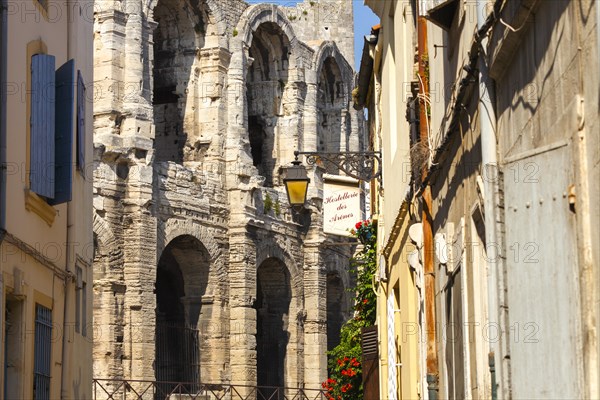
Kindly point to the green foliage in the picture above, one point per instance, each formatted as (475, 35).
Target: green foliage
(268, 203)
(277, 208)
(344, 362)
(235, 32)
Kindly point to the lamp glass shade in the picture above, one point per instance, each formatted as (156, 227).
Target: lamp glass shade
(296, 190)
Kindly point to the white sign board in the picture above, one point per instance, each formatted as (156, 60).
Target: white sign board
(341, 204)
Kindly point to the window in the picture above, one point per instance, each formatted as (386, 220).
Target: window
(42, 353)
(51, 127)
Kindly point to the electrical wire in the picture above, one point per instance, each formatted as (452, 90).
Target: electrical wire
(424, 97)
(515, 30)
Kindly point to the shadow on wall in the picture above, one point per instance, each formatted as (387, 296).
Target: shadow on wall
(180, 33)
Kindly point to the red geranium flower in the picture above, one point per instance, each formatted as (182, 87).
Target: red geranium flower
(358, 225)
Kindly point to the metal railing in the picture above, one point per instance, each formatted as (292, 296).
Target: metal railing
(177, 356)
(130, 389)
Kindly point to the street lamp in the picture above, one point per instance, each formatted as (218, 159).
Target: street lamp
(361, 165)
(296, 184)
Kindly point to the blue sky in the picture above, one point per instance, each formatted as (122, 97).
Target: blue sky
(364, 19)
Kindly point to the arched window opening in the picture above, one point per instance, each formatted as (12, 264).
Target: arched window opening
(267, 82)
(332, 108)
(180, 33)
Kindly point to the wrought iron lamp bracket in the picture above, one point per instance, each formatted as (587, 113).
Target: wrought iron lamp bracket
(361, 165)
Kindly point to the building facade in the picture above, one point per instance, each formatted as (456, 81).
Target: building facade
(199, 259)
(46, 244)
(501, 164)
(386, 73)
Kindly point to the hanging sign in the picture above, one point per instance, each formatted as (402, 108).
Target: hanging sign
(341, 204)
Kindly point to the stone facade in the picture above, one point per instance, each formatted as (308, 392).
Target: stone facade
(199, 259)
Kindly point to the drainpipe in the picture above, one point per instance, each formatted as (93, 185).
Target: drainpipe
(3, 66)
(427, 218)
(489, 158)
(492, 364)
(65, 390)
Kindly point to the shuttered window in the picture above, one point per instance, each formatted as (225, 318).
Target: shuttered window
(51, 130)
(42, 353)
(41, 175)
(80, 123)
(63, 141)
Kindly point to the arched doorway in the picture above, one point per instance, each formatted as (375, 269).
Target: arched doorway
(335, 309)
(274, 296)
(181, 280)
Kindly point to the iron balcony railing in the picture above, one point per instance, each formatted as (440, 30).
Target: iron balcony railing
(124, 389)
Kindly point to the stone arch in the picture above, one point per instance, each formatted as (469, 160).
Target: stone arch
(198, 272)
(185, 40)
(273, 323)
(273, 250)
(109, 292)
(259, 14)
(104, 234)
(329, 49)
(189, 305)
(338, 300)
(334, 76)
(215, 15)
(175, 227)
(107, 251)
(268, 52)
(286, 327)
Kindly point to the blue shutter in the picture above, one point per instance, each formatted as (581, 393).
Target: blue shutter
(63, 144)
(41, 150)
(80, 123)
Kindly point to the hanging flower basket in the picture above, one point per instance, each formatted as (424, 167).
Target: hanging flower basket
(363, 231)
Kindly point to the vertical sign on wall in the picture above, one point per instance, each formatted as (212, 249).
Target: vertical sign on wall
(341, 204)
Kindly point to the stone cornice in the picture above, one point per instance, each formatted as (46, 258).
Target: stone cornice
(111, 14)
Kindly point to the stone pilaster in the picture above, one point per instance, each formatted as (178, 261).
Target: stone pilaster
(242, 283)
(139, 272)
(315, 329)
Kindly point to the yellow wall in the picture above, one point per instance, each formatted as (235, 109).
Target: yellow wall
(393, 74)
(35, 248)
(402, 280)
